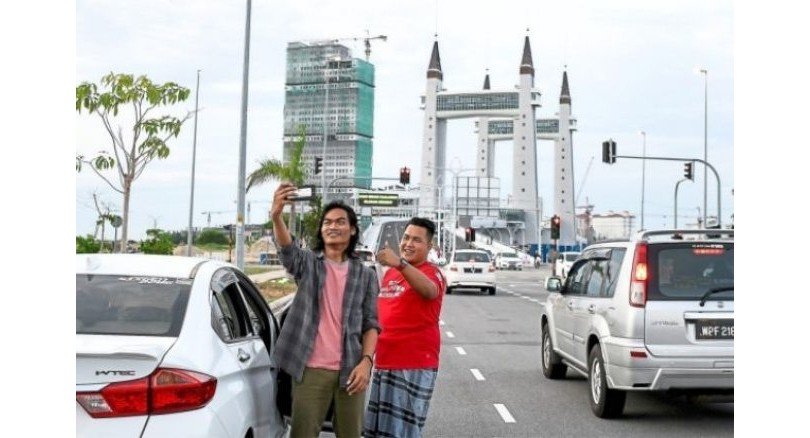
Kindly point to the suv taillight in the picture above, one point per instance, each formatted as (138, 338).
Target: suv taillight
(639, 276)
(165, 391)
(454, 268)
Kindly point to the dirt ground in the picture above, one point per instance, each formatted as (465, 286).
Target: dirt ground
(275, 289)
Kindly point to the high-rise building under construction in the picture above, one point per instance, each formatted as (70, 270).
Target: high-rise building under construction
(329, 93)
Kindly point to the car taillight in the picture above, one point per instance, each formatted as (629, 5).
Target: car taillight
(165, 391)
(640, 277)
(454, 268)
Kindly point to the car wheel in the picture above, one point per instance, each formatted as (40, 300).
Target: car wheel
(605, 402)
(492, 290)
(553, 368)
(449, 290)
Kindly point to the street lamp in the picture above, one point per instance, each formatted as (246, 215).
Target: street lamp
(643, 173)
(190, 237)
(326, 82)
(240, 192)
(705, 74)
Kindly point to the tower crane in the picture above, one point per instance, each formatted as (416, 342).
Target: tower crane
(366, 40)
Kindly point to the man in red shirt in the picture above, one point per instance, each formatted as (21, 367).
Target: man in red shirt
(407, 358)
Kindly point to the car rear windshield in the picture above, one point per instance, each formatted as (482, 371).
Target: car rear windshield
(472, 257)
(509, 255)
(571, 257)
(122, 305)
(365, 256)
(690, 270)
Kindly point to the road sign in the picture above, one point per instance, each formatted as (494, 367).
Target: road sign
(378, 199)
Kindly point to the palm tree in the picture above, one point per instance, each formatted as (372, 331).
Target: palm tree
(294, 171)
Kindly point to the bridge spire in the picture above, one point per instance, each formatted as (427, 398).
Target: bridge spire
(435, 67)
(486, 81)
(565, 94)
(526, 64)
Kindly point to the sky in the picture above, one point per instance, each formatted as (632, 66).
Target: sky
(631, 67)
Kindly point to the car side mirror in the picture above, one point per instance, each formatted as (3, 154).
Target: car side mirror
(553, 284)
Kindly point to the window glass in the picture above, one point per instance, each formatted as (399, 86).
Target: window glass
(687, 271)
(597, 278)
(256, 322)
(576, 280)
(471, 257)
(612, 273)
(124, 305)
(571, 257)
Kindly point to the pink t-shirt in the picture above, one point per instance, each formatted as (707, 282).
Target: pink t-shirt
(328, 347)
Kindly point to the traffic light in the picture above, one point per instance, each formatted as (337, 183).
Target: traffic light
(609, 151)
(318, 165)
(469, 234)
(404, 175)
(687, 170)
(555, 227)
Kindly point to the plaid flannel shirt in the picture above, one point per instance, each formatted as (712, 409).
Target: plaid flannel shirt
(297, 337)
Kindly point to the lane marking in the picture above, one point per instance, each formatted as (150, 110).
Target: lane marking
(507, 417)
(450, 335)
(461, 351)
(477, 374)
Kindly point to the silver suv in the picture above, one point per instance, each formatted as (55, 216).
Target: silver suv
(654, 313)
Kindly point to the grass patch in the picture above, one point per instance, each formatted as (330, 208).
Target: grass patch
(258, 269)
(275, 289)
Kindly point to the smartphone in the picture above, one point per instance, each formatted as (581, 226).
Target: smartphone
(302, 194)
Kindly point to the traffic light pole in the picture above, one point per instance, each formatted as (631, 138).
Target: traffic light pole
(705, 163)
(676, 200)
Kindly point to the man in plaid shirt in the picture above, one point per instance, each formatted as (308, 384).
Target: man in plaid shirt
(328, 339)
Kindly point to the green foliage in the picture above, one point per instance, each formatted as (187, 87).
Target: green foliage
(158, 242)
(209, 237)
(309, 223)
(86, 245)
(272, 169)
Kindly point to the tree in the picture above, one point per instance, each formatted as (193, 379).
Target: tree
(158, 242)
(310, 221)
(212, 236)
(294, 171)
(149, 133)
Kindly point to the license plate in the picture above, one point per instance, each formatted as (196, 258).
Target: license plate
(714, 329)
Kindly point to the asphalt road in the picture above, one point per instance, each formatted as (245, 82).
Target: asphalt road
(490, 383)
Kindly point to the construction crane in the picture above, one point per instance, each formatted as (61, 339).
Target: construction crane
(209, 213)
(366, 40)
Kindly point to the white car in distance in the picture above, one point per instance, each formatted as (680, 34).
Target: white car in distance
(563, 263)
(470, 268)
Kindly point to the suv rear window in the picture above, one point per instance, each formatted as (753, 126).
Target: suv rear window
(122, 305)
(571, 257)
(474, 257)
(689, 270)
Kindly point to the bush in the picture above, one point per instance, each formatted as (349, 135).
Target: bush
(208, 237)
(159, 242)
(86, 245)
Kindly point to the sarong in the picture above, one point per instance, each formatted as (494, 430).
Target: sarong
(398, 403)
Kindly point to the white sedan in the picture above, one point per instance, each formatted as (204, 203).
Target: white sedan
(172, 346)
(471, 268)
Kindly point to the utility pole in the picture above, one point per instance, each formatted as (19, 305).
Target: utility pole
(240, 209)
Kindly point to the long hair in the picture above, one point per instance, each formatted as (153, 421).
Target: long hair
(319, 243)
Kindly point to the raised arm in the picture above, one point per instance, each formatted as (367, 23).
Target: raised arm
(280, 230)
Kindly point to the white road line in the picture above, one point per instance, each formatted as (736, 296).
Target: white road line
(450, 335)
(477, 374)
(461, 351)
(507, 417)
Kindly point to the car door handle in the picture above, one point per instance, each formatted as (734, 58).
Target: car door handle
(242, 356)
(592, 308)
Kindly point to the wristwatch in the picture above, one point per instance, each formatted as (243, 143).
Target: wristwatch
(402, 263)
(370, 359)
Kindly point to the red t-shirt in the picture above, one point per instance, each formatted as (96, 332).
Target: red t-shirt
(410, 323)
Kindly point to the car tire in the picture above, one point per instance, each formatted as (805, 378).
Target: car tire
(605, 402)
(449, 290)
(492, 290)
(550, 362)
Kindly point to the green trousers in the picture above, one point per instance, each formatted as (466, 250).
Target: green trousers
(310, 403)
